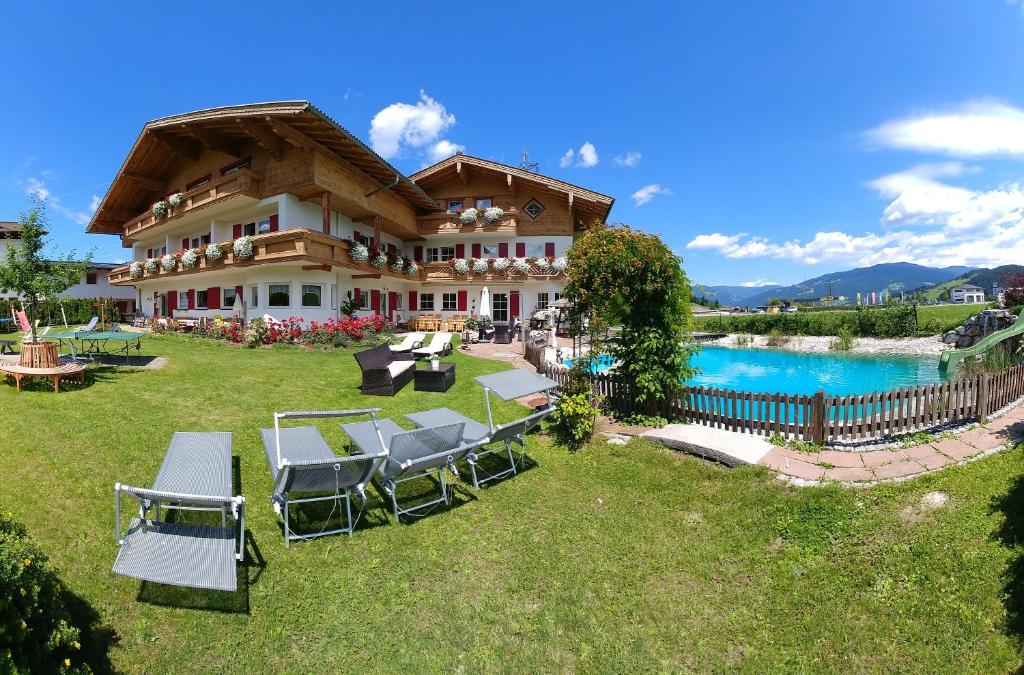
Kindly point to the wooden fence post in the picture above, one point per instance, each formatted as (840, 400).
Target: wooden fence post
(982, 402)
(818, 418)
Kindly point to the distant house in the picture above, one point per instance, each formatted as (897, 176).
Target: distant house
(967, 294)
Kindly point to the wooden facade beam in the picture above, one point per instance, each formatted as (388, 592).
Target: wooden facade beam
(211, 141)
(323, 268)
(148, 183)
(179, 146)
(326, 207)
(264, 137)
(511, 184)
(462, 170)
(366, 276)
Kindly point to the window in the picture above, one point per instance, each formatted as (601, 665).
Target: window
(533, 208)
(229, 297)
(254, 296)
(427, 302)
(252, 229)
(399, 301)
(490, 250)
(198, 182)
(499, 307)
(454, 205)
(542, 301)
(182, 300)
(201, 299)
(334, 296)
(440, 254)
(362, 239)
(90, 278)
(280, 295)
(200, 241)
(535, 250)
(364, 300)
(484, 202)
(235, 167)
(449, 302)
(311, 295)
(558, 296)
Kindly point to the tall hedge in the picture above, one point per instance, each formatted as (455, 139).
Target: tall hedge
(37, 633)
(888, 322)
(77, 310)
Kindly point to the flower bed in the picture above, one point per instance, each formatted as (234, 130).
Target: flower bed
(297, 331)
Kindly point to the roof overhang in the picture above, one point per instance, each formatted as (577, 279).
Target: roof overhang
(166, 141)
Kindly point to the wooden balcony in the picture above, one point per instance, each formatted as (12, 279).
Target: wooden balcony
(244, 182)
(299, 245)
(449, 223)
(444, 272)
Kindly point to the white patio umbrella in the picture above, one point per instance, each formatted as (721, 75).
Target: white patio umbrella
(485, 302)
(238, 306)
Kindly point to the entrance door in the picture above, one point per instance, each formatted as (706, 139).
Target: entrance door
(163, 304)
(499, 307)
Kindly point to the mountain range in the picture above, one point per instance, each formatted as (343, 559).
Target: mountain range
(895, 278)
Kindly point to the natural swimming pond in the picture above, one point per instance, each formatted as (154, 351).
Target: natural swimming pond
(766, 370)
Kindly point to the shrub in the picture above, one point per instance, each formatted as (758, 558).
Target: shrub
(37, 633)
(573, 420)
(77, 310)
(886, 322)
(844, 341)
(778, 339)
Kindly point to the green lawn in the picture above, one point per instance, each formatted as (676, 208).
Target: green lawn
(614, 558)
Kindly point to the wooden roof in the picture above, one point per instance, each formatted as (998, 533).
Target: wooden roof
(594, 203)
(166, 141)
(10, 230)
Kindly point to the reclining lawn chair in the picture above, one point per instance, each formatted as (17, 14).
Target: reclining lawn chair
(420, 453)
(409, 342)
(194, 476)
(440, 344)
(484, 439)
(301, 463)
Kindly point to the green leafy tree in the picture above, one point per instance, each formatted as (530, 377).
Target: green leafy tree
(619, 276)
(28, 274)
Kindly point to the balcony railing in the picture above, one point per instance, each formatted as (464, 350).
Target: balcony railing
(449, 223)
(445, 271)
(244, 182)
(286, 246)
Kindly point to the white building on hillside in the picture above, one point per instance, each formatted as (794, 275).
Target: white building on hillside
(967, 294)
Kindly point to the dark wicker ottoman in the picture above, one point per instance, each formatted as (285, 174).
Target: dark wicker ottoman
(428, 379)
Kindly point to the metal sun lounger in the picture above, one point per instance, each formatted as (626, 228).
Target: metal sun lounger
(195, 476)
(301, 463)
(419, 453)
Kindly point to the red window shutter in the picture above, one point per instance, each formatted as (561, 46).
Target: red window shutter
(392, 301)
(191, 298)
(184, 244)
(476, 250)
(503, 250)
(172, 302)
(236, 231)
(238, 292)
(355, 236)
(213, 298)
(359, 298)
(375, 301)
(413, 301)
(273, 223)
(463, 301)
(460, 250)
(513, 303)
(549, 249)
(417, 253)
(520, 250)
(149, 253)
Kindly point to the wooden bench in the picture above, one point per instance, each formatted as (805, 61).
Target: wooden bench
(65, 371)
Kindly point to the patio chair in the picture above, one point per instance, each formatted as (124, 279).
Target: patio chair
(384, 372)
(420, 453)
(409, 342)
(195, 476)
(89, 326)
(440, 344)
(301, 463)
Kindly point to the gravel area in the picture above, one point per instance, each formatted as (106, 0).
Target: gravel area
(813, 343)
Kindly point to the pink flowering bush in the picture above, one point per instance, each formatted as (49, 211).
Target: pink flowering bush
(295, 330)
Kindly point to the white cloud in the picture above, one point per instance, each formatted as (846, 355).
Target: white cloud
(94, 203)
(758, 283)
(37, 188)
(588, 155)
(630, 159)
(443, 149)
(972, 129)
(566, 161)
(648, 192)
(401, 125)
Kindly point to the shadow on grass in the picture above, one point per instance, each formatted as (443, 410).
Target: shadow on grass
(1011, 535)
(96, 638)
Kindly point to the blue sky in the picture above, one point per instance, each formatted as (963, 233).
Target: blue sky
(762, 141)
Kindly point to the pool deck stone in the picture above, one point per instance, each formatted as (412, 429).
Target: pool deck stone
(852, 468)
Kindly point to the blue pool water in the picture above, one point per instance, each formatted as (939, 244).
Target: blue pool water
(780, 370)
(783, 371)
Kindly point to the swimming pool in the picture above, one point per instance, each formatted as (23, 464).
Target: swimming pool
(766, 370)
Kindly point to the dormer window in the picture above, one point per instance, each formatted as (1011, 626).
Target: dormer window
(533, 208)
(454, 205)
(484, 202)
(235, 167)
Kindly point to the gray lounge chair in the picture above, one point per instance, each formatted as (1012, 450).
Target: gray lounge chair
(195, 476)
(419, 453)
(301, 463)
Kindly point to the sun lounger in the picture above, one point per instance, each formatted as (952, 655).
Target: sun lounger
(440, 344)
(420, 453)
(195, 476)
(409, 342)
(301, 463)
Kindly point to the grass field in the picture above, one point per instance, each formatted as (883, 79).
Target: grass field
(614, 558)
